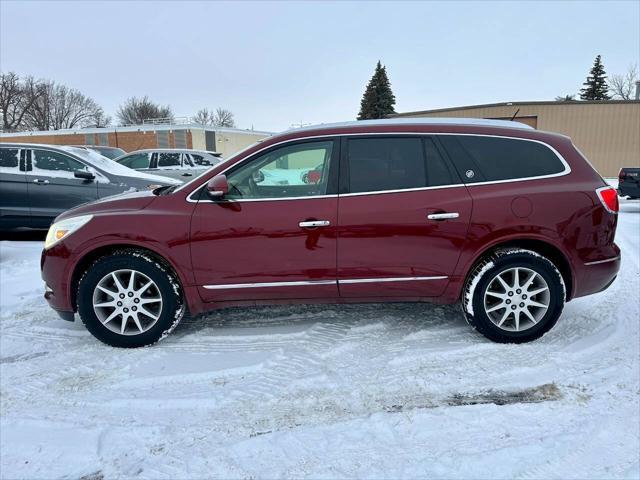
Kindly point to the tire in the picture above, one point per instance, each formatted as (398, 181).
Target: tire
(153, 301)
(491, 308)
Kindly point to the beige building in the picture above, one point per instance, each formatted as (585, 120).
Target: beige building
(225, 141)
(607, 132)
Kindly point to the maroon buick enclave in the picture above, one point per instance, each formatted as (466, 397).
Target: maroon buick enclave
(510, 221)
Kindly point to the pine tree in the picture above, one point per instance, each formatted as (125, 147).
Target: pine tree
(378, 99)
(596, 88)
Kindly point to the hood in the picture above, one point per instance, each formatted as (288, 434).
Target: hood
(115, 203)
(112, 168)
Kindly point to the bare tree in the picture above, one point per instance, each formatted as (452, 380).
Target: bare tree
(204, 117)
(59, 107)
(223, 118)
(136, 110)
(17, 97)
(623, 86)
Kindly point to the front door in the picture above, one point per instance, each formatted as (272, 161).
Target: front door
(273, 235)
(403, 218)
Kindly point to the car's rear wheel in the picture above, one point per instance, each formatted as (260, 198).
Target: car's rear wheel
(514, 296)
(129, 299)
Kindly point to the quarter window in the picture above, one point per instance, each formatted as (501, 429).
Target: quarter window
(136, 161)
(385, 164)
(293, 171)
(508, 158)
(9, 159)
(201, 161)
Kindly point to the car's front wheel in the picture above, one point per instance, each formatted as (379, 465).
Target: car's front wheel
(514, 296)
(129, 299)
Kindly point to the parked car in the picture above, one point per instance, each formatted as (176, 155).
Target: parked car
(39, 182)
(629, 182)
(109, 152)
(510, 221)
(174, 163)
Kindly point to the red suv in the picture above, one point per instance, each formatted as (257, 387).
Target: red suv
(508, 220)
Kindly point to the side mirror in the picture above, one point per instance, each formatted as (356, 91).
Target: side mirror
(84, 174)
(217, 187)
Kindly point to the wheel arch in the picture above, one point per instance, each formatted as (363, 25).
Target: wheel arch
(542, 247)
(92, 255)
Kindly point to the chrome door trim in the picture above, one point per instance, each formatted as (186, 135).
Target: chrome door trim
(228, 286)
(606, 260)
(393, 279)
(566, 171)
(443, 216)
(269, 284)
(314, 223)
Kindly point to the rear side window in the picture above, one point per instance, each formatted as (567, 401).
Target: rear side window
(166, 160)
(9, 158)
(507, 158)
(438, 171)
(385, 164)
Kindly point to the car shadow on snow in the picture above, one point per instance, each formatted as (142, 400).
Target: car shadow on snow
(402, 318)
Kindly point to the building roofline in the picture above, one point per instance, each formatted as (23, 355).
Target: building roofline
(520, 104)
(133, 128)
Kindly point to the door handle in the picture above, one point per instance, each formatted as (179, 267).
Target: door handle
(314, 223)
(443, 216)
(187, 174)
(41, 182)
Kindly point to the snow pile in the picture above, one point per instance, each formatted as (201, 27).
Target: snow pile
(374, 391)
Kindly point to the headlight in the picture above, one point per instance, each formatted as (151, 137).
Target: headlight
(64, 228)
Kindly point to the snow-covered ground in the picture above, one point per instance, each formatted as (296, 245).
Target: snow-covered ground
(375, 391)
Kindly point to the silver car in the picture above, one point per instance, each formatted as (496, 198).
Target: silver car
(39, 182)
(181, 164)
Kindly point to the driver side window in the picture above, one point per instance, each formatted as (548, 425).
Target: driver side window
(299, 170)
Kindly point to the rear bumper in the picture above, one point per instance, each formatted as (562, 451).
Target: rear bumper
(596, 276)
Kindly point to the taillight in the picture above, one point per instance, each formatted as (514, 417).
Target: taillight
(621, 174)
(609, 198)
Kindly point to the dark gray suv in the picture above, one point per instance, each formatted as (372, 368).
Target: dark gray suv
(38, 182)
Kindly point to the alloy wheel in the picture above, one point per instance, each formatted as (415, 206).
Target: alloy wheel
(517, 299)
(127, 302)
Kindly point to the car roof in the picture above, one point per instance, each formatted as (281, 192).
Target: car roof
(170, 150)
(416, 122)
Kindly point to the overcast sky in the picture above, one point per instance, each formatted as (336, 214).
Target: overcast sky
(275, 64)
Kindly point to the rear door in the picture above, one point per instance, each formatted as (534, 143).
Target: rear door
(14, 201)
(52, 186)
(403, 216)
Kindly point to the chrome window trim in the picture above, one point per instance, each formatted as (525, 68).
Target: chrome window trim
(228, 286)
(566, 171)
(606, 260)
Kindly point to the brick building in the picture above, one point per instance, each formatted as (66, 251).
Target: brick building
(225, 141)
